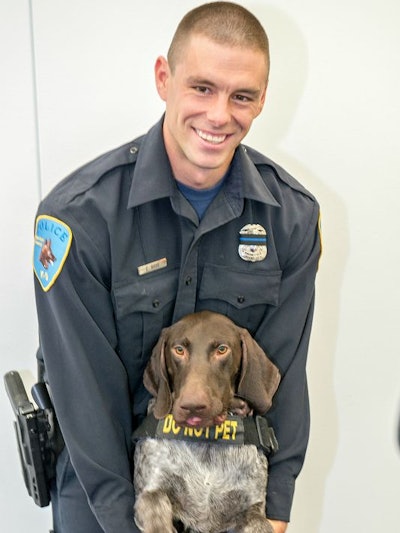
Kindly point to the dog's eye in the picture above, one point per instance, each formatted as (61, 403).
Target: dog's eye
(222, 349)
(179, 350)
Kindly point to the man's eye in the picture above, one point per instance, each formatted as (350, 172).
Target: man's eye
(242, 98)
(202, 90)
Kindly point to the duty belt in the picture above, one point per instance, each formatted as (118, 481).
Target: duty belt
(233, 431)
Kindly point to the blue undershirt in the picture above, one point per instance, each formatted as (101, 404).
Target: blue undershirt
(200, 199)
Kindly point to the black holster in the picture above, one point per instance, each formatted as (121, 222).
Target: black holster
(38, 436)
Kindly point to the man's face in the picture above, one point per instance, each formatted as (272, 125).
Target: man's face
(212, 98)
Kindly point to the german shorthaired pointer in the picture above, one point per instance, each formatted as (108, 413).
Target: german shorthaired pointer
(202, 368)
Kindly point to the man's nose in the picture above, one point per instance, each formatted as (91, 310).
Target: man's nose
(219, 111)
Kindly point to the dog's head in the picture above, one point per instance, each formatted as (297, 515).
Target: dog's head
(47, 257)
(201, 363)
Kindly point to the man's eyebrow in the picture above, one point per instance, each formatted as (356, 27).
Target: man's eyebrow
(249, 92)
(192, 80)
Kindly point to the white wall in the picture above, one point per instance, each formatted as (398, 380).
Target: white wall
(77, 80)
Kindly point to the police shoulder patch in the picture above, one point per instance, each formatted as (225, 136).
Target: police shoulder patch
(53, 240)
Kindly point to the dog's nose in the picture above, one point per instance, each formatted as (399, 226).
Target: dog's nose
(193, 407)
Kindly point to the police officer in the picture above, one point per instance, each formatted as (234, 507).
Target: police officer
(181, 219)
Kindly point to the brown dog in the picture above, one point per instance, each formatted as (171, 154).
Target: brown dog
(202, 368)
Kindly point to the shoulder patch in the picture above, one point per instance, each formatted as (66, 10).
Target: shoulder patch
(53, 240)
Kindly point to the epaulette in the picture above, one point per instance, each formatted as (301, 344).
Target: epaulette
(260, 160)
(89, 174)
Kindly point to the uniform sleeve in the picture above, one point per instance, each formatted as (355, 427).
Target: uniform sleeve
(87, 380)
(285, 334)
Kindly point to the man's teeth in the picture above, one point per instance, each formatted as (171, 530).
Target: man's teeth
(215, 139)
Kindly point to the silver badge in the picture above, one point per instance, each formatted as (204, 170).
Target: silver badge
(253, 243)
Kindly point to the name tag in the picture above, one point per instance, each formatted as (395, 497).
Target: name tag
(151, 267)
(231, 431)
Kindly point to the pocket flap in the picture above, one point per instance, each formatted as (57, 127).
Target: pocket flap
(148, 295)
(240, 288)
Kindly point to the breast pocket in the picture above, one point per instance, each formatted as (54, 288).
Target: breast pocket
(143, 307)
(242, 295)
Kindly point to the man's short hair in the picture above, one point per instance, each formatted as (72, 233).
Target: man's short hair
(224, 23)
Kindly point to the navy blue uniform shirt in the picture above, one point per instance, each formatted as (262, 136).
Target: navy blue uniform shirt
(99, 317)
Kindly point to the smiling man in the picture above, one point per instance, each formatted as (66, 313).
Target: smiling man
(182, 219)
(213, 93)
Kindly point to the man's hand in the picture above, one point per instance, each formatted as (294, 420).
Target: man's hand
(279, 527)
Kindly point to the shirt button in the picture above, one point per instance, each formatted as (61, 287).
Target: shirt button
(241, 299)
(133, 149)
(188, 280)
(156, 303)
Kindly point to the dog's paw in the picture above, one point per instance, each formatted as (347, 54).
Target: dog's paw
(240, 407)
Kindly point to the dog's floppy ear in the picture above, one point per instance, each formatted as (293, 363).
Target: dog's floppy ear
(259, 377)
(155, 378)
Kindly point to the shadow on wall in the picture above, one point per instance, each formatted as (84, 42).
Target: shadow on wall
(398, 430)
(289, 73)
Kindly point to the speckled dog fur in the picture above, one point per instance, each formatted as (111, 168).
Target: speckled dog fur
(210, 488)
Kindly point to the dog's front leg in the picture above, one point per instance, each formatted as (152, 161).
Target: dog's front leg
(261, 525)
(153, 512)
(253, 521)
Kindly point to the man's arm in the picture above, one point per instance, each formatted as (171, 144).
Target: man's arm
(87, 379)
(284, 334)
(279, 527)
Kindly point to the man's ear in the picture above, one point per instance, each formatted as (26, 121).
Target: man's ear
(162, 74)
(262, 100)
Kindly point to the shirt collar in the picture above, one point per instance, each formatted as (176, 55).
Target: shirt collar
(152, 175)
(153, 179)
